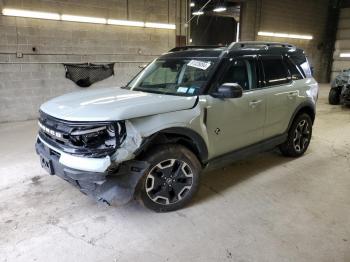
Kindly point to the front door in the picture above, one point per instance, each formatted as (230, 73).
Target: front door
(238, 122)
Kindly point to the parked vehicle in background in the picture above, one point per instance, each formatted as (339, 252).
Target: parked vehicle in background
(192, 109)
(340, 89)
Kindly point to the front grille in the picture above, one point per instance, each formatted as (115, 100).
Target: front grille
(71, 137)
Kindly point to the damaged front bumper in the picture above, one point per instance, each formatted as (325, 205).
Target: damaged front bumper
(91, 175)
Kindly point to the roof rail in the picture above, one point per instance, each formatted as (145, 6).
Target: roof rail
(188, 47)
(235, 45)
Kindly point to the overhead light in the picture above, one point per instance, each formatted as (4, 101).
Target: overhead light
(198, 13)
(160, 25)
(344, 55)
(285, 35)
(84, 19)
(30, 14)
(192, 4)
(125, 22)
(219, 9)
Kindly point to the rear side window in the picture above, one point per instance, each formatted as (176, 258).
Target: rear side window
(306, 68)
(294, 70)
(276, 72)
(303, 64)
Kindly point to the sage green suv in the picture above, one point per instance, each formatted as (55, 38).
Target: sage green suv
(192, 109)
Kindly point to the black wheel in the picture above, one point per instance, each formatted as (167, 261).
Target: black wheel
(171, 180)
(299, 137)
(334, 96)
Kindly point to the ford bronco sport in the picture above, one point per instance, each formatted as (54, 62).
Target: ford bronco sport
(192, 109)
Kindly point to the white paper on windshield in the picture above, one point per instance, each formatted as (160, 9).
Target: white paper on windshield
(191, 90)
(182, 89)
(199, 64)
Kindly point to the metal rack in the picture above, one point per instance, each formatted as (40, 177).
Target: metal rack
(188, 47)
(235, 45)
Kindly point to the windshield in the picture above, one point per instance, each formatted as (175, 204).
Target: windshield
(184, 77)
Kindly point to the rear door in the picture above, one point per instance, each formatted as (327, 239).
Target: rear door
(280, 95)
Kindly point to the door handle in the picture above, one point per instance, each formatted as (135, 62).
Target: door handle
(254, 103)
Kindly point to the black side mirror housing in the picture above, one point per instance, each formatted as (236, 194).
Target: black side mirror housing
(228, 90)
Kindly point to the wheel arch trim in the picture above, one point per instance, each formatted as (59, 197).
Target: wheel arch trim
(306, 106)
(179, 133)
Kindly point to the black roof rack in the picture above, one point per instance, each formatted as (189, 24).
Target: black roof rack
(222, 51)
(188, 47)
(235, 45)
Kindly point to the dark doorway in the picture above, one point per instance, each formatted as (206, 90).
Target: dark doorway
(213, 27)
(213, 30)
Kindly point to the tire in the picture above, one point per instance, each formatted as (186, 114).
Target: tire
(334, 96)
(172, 179)
(299, 136)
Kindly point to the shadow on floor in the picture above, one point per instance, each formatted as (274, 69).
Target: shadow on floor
(219, 180)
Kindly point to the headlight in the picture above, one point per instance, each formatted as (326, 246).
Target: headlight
(98, 136)
(88, 131)
(111, 130)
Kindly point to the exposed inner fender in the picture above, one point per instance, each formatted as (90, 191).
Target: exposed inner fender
(130, 144)
(181, 135)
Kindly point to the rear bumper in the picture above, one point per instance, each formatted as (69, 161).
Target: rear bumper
(112, 188)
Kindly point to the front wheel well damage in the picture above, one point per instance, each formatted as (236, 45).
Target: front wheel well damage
(179, 136)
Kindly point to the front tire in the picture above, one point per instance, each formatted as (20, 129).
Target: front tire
(299, 136)
(334, 96)
(172, 179)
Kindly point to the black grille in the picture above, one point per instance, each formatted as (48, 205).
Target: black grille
(72, 144)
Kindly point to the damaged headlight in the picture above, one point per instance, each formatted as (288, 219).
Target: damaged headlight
(106, 136)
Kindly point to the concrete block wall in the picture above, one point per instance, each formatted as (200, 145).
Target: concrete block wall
(286, 16)
(39, 75)
(342, 44)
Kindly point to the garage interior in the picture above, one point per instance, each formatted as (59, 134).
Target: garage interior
(264, 208)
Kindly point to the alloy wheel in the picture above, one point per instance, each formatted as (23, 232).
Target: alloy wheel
(301, 136)
(169, 181)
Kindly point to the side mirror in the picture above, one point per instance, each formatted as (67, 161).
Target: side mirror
(228, 90)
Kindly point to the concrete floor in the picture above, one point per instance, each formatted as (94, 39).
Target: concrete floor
(267, 208)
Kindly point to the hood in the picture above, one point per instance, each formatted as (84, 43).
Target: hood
(113, 104)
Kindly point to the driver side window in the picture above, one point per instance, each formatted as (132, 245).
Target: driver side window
(242, 72)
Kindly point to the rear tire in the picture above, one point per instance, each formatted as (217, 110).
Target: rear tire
(172, 179)
(299, 136)
(334, 96)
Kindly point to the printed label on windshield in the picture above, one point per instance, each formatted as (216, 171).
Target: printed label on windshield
(199, 64)
(182, 89)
